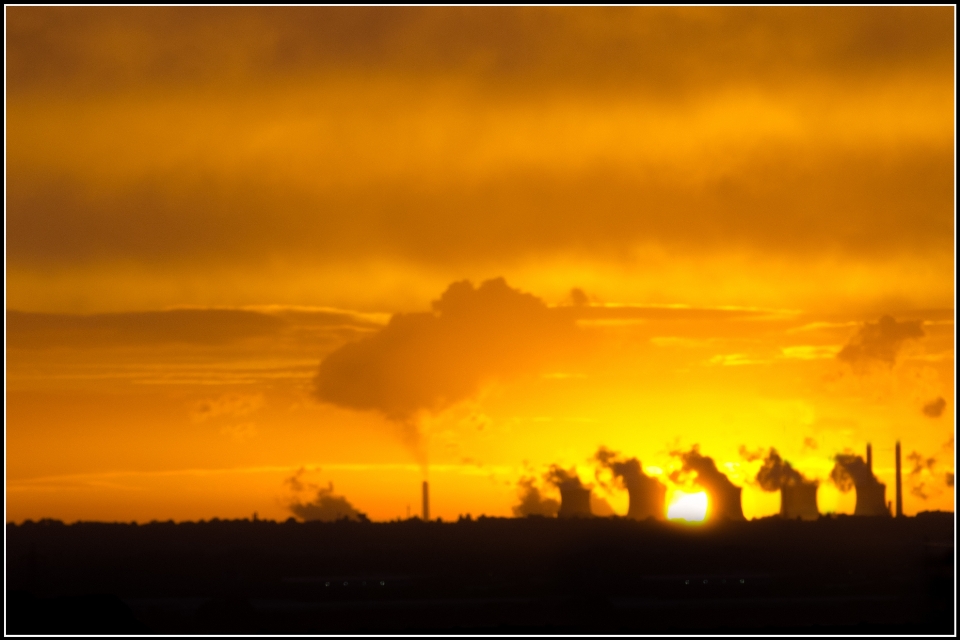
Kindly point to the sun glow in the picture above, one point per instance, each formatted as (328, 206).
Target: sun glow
(691, 507)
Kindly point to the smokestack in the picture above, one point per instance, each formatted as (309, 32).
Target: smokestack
(869, 458)
(426, 501)
(899, 485)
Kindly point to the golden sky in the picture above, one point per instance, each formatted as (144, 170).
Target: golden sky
(205, 203)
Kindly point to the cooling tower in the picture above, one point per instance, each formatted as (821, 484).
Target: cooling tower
(871, 493)
(574, 501)
(725, 503)
(647, 497)
(871, 498)
(799, 500)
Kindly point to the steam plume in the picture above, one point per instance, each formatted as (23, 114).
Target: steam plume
(724, 495)
(798, 496)
(325, 507)
(532, 503)
(646, 493)
(429, 361)
(777, 473)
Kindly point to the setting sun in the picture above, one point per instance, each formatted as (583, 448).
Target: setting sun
(691, 507)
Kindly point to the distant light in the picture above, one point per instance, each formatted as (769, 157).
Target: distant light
(691, 507)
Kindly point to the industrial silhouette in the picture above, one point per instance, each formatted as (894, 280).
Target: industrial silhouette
(798, 496)
(852, 472)
(723, 495)
(426, 501)
(485, 576)
(647, 495)
(574, 495)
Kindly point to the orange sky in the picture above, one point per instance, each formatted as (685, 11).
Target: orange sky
(736, 190)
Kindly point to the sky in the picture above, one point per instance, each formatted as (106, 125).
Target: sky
(510, 235)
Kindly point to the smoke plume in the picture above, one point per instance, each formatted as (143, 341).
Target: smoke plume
(849, 471)
(532, 503)
(750, 456)
(429, 361)
(924, 477)
(880, 342)
(325, 506)
(724, 495)
(798, 496)
(646, 493)
(934, 408)
(776, 473)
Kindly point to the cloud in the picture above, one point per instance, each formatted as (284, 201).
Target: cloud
(924, 477)
(324, 507)
(880, 342)
(148, 328)
(229, 405)
(934, 408)
(810, 443)
(426, 362)
(532, 503)
(549, 132)
(677, 49)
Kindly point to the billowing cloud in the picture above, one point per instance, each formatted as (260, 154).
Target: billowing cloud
(532, 502)
(934, 408)
(430, 361)
(325, 505)
(880, 342)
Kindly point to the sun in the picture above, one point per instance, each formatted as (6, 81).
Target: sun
(690, 507)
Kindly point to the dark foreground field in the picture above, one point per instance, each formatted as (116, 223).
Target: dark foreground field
(835, 575)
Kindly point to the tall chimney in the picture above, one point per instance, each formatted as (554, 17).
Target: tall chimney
(899, 485)
(869, 458)
(426, 501)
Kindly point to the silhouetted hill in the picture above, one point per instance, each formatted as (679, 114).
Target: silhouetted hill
(536, 575)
